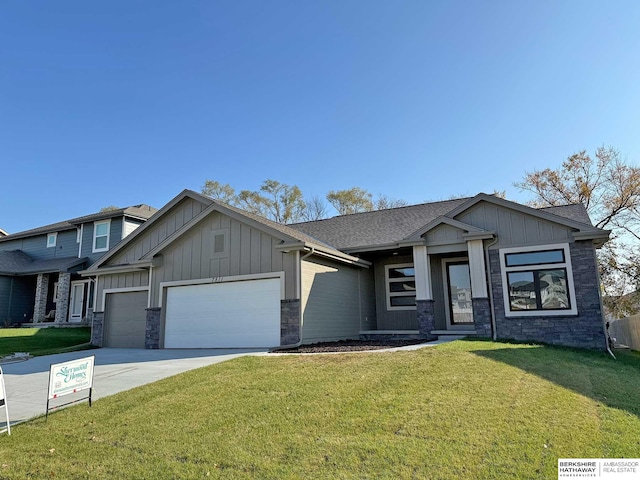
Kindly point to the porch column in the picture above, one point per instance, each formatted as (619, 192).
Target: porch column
(425, 312)
(40, 306)
(422, 267)
(62, 303)
(479, 295)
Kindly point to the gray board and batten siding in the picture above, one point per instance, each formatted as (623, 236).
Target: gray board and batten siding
(247, 251)
(191, 256)
(335, 300)
(514, 227)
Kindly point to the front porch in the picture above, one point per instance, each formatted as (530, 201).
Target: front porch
(431, 288)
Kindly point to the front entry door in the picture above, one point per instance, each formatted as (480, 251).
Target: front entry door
(458, 291)
(76, 302)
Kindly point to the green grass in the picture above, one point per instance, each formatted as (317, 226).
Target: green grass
(43, 341)
(463, 410)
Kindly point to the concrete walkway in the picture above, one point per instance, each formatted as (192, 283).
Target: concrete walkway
(116, 370)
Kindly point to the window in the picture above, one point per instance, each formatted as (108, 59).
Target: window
(51, 240)
(537, 281)
(401, 286)
(220, 242)
(101, 236)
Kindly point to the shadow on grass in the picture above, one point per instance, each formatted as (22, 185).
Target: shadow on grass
(615, 383)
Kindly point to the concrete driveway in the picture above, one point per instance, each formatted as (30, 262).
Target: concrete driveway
(116, 370)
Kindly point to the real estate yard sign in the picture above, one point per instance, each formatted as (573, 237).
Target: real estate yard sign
(3, 403)
(70, 377)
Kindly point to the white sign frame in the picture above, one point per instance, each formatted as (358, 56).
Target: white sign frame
(3, 403)
(70, 377)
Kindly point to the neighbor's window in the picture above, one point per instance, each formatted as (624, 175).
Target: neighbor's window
(51, 239)
(101, 236)
(401, 286)
(537, 281)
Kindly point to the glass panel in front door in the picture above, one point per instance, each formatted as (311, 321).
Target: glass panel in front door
(76, 303)
(459, 284)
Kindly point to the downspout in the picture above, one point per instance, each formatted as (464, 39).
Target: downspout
(299, 270)
(494, 333)
(604, 322)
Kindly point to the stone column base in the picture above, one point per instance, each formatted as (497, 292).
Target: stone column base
(152, 329)
(425, 313)
(97, 328)
(289, 322)
(482, 317)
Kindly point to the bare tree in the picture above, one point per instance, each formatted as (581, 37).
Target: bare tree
(316, 209)
(609, 188)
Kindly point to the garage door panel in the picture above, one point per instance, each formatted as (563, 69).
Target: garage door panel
(223, 315)
(125, 319)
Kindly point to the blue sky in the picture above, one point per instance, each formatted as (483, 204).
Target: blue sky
(126, 102)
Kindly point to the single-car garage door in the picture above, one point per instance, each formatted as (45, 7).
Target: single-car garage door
(223, 315)
(125, 319)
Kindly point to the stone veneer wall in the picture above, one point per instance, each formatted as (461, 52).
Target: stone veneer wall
(583, 330)
(40, 305)
(62, 303)
(289, 322)
(425, 314)
(97, 328)
(152, 329)
(482, 317)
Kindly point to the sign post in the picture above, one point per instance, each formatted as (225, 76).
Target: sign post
(68, 378)
(3, 403)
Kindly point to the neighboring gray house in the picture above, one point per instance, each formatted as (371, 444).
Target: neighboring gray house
(38, 268)
(204, 274)
(3, 233)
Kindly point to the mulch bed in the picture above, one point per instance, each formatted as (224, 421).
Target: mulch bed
(349, 346)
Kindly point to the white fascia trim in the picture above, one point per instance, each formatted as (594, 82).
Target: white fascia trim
(106, 291)
(323, 252)
(570, 283)
(232, 278)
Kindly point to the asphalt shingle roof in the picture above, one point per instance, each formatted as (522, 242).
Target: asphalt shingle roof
(16, 262)
(142, 212)
(376, 228)
(384, 227)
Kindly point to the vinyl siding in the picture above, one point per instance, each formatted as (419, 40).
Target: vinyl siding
(248, 251)
(368, 319)
(391, 319)
(514, 228)
(129, 226)
(445, 233)
(36, 247)
(16, 299)
(330, 301)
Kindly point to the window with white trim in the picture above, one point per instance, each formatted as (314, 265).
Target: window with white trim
(101, 236)
(51, 239)
(537, 281)
(400, 282)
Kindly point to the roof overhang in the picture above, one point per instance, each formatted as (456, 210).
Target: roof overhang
(324, 252)
(599, 237)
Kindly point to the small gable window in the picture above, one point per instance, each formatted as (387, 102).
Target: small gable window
(51, 240)
(220, 243)
(101, 236)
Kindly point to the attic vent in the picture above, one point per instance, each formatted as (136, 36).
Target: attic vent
(220, 243)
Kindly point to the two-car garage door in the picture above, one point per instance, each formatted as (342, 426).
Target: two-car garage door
(223, 315)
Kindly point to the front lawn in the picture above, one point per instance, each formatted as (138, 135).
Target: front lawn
(468, 409)
(43, 341)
